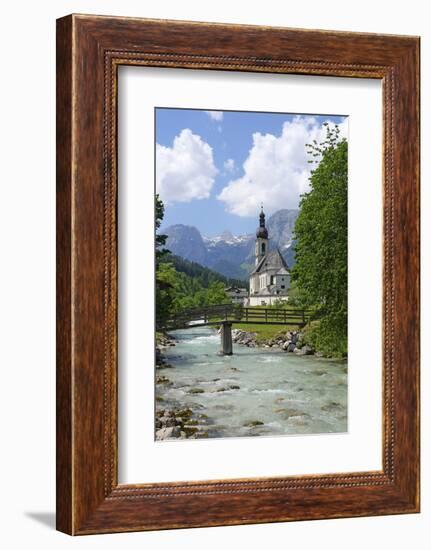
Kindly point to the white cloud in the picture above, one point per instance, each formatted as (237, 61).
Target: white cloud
(186, 170)
(215, 115)
(229, 165)
(276, 171)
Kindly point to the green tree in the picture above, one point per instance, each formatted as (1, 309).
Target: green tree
(165, 273)
(160, 238)
(320, 272)
(296, 297)
(177, 290)
(165, 290)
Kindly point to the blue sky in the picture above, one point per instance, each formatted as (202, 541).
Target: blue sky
(214, 168)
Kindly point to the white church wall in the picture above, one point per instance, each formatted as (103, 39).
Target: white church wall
(282, 281)
(257, 300)
(268, 278)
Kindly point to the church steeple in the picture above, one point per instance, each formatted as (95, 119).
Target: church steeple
(262, 231)
(261, 247)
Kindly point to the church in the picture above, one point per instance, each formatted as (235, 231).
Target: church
(270, 279)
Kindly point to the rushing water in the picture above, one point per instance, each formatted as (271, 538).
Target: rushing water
(256, 391)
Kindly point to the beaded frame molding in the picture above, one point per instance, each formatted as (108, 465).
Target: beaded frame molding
(89, 51)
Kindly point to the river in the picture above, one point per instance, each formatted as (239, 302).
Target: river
(254, 392)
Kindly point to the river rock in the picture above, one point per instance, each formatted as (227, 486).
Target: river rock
(253, 424)
(244, 338)
(289, 346)
(288, 413)
(191, 422)
(332, 407)
(185, 413)
(168, 421)
(165, 340)
(305, 350)
(190, 430)
(164, 365)
(163, 380)
(293, 336)
(320, 372)
(166, 433)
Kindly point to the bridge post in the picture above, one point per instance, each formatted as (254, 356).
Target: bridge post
(226, 338)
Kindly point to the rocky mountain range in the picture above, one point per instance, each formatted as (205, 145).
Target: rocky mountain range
(230, 255)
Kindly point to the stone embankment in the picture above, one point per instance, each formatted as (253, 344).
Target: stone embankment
(163, 341)
(291, 341)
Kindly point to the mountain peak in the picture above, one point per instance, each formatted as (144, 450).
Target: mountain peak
(231, 255)
(186, 241)
(226, 235)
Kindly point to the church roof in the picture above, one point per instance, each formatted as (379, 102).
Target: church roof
(272, 260)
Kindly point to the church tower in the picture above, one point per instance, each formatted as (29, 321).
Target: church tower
(261, 248)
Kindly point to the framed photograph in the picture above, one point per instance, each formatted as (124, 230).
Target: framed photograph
(237, 274)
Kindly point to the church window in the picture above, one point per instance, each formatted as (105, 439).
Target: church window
(282, 286)
(272, 279)
(263, 248)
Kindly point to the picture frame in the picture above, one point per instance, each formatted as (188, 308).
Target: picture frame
(89, 51)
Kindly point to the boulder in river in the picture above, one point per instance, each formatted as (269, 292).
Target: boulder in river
(196, 390)
(293, 337)
(305, 350)
(167, 433)
(289, 346)
(168, 421)
(163, 380)
(253, 423)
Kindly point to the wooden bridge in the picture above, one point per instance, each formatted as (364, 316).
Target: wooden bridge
(224, 315)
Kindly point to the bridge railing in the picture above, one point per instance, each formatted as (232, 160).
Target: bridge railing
(286, 316)
(205, 315)
(213, 315)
